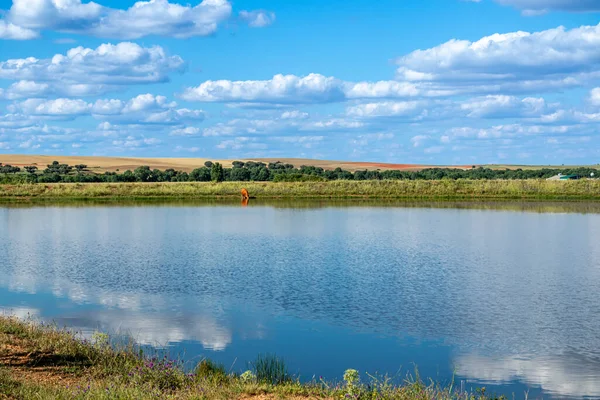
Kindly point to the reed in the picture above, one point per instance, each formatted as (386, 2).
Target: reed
(270, 369)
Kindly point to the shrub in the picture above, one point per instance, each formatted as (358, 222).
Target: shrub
(209, 369)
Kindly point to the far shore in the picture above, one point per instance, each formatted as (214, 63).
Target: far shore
(462, 189)
(100, 165)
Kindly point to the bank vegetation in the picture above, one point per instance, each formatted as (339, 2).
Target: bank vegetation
(43, 362)
(462, 189)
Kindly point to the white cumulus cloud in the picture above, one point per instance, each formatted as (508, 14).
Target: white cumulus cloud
(294, 114)
(595, 96)
(142, 109)
(9, 31)
(241, 142)
(313, 88)
(26, 18)
(28, 89)
(517, 61)
(257, 18)
(187, 131)
(85, 71)
(292, 89)
(498, 106)
(58, 107)
(387, 109)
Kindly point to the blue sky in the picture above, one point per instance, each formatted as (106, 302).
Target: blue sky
(406, 81)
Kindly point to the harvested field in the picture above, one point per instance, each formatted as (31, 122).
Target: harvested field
(102, 164)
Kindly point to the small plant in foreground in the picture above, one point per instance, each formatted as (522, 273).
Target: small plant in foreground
(248, 377)
(352, 379)
(101, 340)
(270, 369)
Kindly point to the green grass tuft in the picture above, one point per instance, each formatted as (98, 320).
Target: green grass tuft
(270, 369)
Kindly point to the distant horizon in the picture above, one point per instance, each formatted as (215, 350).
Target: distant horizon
(23, 159)
(424, 82)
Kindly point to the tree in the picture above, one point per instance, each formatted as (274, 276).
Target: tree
(181, 177)
(127, 176)
(263, 174)
(239, 175)
(81, 167)
(58, 168)
(200, 175)
(156, 176)
(252, 164)
(216, 173)
(238, 164)
(110, 177)
(346, 175)
(49, 178)
(208, 164)
(31, 169)
(9, 169)
(360, 175)
(169, 175)
(142, 174)
(276, 165)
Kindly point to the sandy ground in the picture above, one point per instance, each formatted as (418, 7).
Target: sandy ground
(101, 164)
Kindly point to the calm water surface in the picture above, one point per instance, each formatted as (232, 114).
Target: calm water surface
(505, 299)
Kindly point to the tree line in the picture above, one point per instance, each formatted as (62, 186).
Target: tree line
(275, 171)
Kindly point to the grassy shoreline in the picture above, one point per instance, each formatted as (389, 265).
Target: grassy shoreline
(439, 190)
(43, 362)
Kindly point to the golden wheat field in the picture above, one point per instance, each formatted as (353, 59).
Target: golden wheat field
(102, 164)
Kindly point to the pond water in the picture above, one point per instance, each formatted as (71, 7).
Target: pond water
(506, 297)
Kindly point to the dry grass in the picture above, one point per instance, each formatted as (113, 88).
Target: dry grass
(420, 189)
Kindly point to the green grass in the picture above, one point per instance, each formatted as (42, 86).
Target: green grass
(96, 370)
(420, 189)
